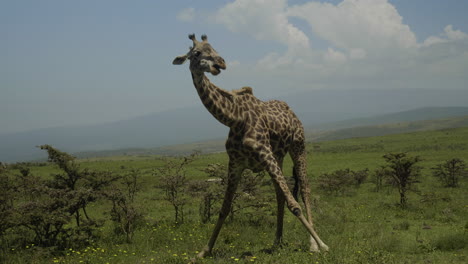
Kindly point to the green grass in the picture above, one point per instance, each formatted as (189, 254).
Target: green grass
(362, 226)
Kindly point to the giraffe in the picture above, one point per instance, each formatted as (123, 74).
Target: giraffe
(261, 134)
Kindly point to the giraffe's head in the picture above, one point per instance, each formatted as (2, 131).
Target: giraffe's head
(202, 57)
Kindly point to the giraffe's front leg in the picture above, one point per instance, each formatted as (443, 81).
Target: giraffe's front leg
(234, 175)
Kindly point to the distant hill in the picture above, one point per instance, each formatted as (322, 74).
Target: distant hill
(387, 129)
(166, 128)
(316, 108)
(213, 146)
(208, 146)
(425, 113)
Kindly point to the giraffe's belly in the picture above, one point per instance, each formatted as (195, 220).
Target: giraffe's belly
(241, 156)
(253, 160)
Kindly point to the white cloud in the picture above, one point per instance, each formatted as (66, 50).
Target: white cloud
(334, 57)
(449, 35)
(454, 34)
(367, 42)
(186, 15)
(359, 28)
(433, 40)
(369, 25)
(265, 20)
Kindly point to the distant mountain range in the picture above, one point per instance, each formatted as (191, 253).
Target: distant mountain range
(319, 111)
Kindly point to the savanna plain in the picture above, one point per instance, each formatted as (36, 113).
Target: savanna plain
(154, 209)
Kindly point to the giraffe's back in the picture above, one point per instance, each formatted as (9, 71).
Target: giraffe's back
(277, 115)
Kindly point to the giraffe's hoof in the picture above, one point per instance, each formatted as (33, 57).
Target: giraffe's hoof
(278, 243)
(314, 249)
(324, 247)
(203, 254)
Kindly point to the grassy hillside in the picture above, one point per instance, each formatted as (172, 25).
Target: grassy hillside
(214, 146)
(389, 128)
(360, 226)
(208, 146)
(420, 114)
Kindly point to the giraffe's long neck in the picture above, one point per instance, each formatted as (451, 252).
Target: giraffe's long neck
(218, 102)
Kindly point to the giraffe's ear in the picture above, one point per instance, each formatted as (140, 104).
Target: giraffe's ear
(180, 59)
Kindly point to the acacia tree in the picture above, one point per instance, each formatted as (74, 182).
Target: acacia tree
(79, 187)
(32, 211)
(43, 211)
(68, 180)
(450, 172)
(404, 172)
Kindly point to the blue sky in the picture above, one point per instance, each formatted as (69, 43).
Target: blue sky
(84, 62)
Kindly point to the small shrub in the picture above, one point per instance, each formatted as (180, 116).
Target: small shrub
(334, 183)
(403, 171)
(405, 225)
(450, 172)
(447, 215)
(47, 217)
(381, 177)
(7, 198)
(211, 195)
(125, 214)
(360, 177)
(211, 190)
(431, 198)
(174, 183)
(249, 194)
(250, 198)
(339, 182)
(451, 242)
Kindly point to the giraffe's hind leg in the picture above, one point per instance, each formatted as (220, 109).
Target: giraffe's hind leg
(266, 157)
(299, 157)
(280, 200)
(280, 216)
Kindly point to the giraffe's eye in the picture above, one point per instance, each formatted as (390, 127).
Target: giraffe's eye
(197, 53)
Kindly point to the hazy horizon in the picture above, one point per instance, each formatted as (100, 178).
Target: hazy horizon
(298, 102)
